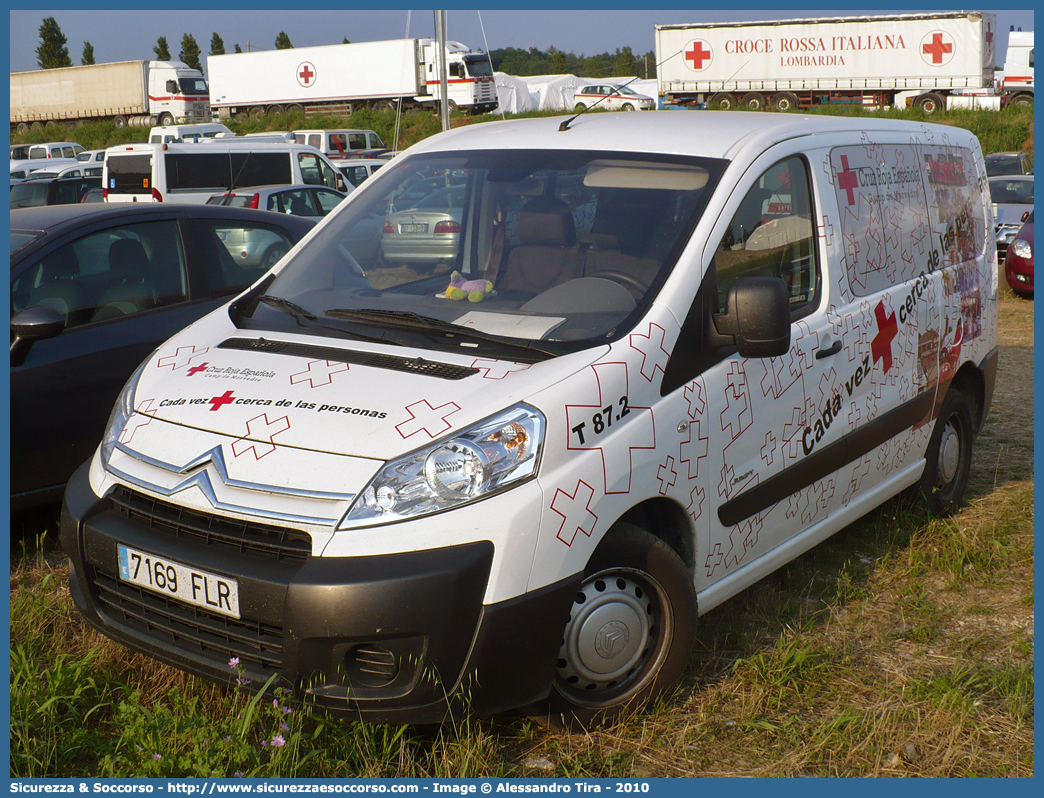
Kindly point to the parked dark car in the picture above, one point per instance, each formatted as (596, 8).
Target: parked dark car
(94, 289)
(60, 191)
(1009, 163)
(1018, 265)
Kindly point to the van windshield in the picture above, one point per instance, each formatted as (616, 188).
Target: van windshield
(563, 248)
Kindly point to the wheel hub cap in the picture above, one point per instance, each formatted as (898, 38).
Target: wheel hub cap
(949, 454)
(607, 634)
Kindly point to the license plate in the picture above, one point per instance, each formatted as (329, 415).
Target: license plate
(191, 585)
(413, 228)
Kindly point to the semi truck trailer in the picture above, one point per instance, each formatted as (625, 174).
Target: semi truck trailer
(135, 93)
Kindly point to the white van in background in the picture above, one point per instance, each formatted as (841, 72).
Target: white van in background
(188, 134)
(195, 172)
(342, 143)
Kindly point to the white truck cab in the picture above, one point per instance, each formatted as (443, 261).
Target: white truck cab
(178, 94)
(537, 395)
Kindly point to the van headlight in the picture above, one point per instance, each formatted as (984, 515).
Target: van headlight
(492, 456)
(121, 413)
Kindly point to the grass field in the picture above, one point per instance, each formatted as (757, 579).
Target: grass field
(902, 646)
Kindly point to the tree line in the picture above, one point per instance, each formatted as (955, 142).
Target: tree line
(53, 51)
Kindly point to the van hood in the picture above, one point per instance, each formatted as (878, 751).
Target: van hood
(331, 395)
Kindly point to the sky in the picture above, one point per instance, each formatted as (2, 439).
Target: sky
(122, 35)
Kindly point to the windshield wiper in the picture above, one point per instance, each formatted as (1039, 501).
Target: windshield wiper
(405, 319)
(287, 306)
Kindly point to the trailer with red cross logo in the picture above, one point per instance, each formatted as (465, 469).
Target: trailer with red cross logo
(337, 78)
(706, 343)
(875, 61)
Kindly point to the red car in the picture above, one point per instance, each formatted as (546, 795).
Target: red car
(1018, 263)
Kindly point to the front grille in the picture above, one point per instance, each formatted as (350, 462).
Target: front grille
(230, 534)
(198, 633)
(414, 365)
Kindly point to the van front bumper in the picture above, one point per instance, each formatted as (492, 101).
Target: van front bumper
(396, 638)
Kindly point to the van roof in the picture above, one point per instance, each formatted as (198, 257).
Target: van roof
(237, 143)
(713, 134)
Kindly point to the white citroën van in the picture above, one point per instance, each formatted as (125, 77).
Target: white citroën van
(672, 352)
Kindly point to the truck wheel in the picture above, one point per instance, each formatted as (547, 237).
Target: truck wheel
(1022, 99)
(274, 109)
(257, 112)
(22, 129)
(629, 633)
(786, 101)
(753, 101)
(383, 105)
(295, 109)
(931, 103)
(948, 457)
(723, 101)
(452, 106)
(120, 121)
(166, 119)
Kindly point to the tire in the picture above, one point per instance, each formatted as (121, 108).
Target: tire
(383, 105)
(723, 101)
(452, 106)
(22, 129)
(166, 119)
(637, 602)
(786, 101)
(274, 109)
(948, 457)
(257, 112)
(120, 121)
(579, 107)
(628, 107)
(752, 101)
(272, 256)
(931, 103)
(1022, 99)
(295, 109)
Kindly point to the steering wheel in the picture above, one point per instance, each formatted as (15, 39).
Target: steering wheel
(628, 281)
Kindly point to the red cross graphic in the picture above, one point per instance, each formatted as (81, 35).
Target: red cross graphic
(181, 357)
(989, 34)
(694, 397)
(306, 75)
(260, 429)
(425, 417)
(693, 449)
(654, 356)
(197, 369)
(575, 511)
(887, 329)
(614, 437)
(937, 49)
(141, 417)
(697, 55)
(667, 475)
(225, 399)
(319, 372)
(847, 180)
(497, 369)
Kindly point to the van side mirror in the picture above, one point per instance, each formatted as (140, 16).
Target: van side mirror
(31, 325)
(757, 317)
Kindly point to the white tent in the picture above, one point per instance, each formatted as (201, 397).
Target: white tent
(555, 92)
(512, 94)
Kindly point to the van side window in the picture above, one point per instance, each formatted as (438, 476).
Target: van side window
(771, 235)
(357, 141)
(310, 172)
(338, 142)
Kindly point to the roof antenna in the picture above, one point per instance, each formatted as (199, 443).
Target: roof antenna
(565, 125)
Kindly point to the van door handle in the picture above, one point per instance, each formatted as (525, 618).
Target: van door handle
(833, 350)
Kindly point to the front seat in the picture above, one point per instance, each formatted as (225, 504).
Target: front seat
(58, 284)
(546, 253)
(132, 291)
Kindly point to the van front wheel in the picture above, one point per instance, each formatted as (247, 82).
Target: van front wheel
(629, 633)
(948, 458)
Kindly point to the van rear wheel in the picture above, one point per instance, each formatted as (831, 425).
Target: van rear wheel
(630, 630)
(948, 457)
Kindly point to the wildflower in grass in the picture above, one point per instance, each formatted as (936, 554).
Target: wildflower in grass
(243, 681)
(157, 757)
(233, 663)
(264, 743)
(283, 727)
(227, 738)
(287, 710)
(275, 702)
(278, 741)
(238, 774)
